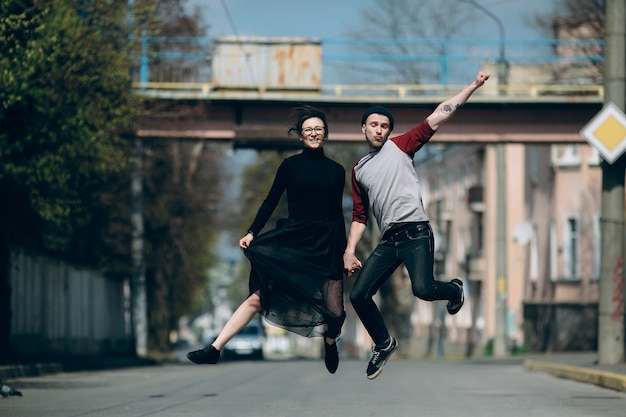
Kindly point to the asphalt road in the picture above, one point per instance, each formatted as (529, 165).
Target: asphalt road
(304, 388)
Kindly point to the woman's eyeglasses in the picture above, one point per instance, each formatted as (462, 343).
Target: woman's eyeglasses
(307, 131)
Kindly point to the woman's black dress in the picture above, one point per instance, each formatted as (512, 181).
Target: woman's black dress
(297, 268)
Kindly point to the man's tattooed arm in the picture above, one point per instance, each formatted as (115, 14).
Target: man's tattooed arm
(447, 108)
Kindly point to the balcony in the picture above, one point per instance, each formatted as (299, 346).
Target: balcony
(475, 199)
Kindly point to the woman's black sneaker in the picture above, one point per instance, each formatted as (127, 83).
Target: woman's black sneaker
(208, 355)
(331, 356)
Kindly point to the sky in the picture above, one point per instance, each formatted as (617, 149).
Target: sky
(333, 19)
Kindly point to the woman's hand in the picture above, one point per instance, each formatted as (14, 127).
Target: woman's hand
(244, 242)
(351, 263)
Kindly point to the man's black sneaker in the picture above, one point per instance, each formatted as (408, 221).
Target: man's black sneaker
(208, 355)
(379, 358)
(331, 356)
(454, 307)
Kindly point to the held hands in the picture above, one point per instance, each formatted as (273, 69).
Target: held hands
(244, 242)
(351, 263)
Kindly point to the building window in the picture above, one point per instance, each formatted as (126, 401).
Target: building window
(565, 155)
(570, 249)
(554, 270)
(534, 256)
(477, 233)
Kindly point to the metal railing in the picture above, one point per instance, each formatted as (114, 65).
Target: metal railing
(387, 92)
(354, 68)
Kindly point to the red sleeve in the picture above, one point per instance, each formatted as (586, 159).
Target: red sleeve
(360, 202)
(413, 140)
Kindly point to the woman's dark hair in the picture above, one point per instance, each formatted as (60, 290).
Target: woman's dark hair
(302, 113)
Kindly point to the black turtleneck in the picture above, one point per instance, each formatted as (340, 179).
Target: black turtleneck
(314, 185)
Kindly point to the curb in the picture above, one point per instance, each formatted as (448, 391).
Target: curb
(603, 379)
(35, 369)
(17, 370)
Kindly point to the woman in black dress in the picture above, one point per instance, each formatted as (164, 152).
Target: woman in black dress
(296, 280)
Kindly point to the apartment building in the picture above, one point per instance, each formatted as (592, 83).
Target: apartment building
(552, 243)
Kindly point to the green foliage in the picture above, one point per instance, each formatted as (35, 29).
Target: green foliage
(65, 98)
(180, 225)
(181, 184)
(66, 102)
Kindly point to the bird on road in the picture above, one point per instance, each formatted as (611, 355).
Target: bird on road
(7, 391)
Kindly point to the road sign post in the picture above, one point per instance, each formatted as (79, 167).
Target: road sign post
(607, 133)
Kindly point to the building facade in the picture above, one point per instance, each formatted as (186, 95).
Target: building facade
(551, 237)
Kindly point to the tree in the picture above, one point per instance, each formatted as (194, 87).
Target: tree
(407, 32)
(168, 29)
(180, 223)
(63, 105)
(576, 19)
(65, 98)
(573, 14)
(182, 184)
(66, 105)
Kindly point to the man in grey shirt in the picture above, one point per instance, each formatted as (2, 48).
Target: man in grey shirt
(385, 181)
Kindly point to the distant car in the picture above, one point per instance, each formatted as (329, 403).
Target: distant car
(181, 344)
(247, 343)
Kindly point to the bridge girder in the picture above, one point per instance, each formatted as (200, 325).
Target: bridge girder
(264, 124)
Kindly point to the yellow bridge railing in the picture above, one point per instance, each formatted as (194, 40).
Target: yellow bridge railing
(372, 92)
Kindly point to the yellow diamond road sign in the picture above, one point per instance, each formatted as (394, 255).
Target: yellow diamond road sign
(606, 132)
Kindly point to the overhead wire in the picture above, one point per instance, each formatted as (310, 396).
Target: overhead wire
(246, 55)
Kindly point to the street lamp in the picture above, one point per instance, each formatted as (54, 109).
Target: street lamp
(503, 65)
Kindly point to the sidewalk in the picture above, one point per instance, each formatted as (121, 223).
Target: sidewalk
(581, 367)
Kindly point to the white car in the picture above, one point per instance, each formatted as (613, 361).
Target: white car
(247, 343)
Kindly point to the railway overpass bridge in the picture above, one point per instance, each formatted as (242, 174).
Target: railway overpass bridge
(260, 119)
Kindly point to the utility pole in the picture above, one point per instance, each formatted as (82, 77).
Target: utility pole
(611, 302)
(138, 296)
(138, 284)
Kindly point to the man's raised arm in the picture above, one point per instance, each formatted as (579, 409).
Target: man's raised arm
(446, 109)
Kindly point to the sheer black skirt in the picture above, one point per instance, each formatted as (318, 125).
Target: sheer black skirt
(297, 270)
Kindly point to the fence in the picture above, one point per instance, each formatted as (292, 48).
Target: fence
(561, 327)
(61, 310)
